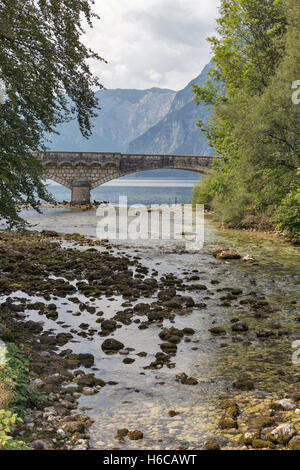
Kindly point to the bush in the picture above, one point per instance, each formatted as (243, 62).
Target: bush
(7, 419)
(287, 216)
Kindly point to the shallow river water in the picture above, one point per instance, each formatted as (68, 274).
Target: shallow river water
(142, 398)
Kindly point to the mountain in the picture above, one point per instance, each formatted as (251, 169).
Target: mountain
(150, 121)
(124, 115)
(176, 133)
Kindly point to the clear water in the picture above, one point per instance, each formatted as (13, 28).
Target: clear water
(142, 398)
(140, 189)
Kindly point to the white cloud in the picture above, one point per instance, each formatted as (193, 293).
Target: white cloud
(151, 43)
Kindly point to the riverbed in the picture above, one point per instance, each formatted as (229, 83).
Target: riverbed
(263, 295)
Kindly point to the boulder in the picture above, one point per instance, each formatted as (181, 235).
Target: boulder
(288, 404)
(217, 330)
(111, 344)
(283, 433)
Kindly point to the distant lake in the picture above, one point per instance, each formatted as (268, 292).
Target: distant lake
(149, 187)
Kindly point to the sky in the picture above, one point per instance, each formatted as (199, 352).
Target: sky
(152, 43)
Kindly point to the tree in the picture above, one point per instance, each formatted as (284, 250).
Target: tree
(255, 125)
(44, 65)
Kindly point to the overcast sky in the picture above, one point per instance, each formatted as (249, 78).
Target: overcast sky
(152, 43)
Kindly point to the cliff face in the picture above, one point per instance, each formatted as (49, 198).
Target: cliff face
(176, 132)
(142, 121)
(124, 115)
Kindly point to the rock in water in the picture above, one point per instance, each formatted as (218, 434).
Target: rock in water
(240, 326)
(135, 435)
(212, 444)
(244, 383)
(111, 344)
(288, 404)
(283, 433)
(249, 259)
(226, 253)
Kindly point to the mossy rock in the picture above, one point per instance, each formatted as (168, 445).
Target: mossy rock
(212, 444)
(227, 404)
(161, 357)
(276, 406)
(248, 436)
(189, 381)
(196, 287)
(217, 331)
(188, 331)
(7, 335)
(233, 411)
(294, 444)
(112, 345)
(227, 423)
(122, 432)
(237, 291)
(282, 434)
(169, 348)
(128, 360)
(141, 308)
(135, 435)
(260, 444)
(262, 422)
(245, 384)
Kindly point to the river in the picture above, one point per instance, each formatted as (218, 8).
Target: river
(142, 398)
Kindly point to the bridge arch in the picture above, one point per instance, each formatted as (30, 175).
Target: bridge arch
(82, 172)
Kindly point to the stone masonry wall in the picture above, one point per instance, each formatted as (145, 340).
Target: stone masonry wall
(95, 169)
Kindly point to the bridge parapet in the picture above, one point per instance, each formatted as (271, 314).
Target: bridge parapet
(83, 171)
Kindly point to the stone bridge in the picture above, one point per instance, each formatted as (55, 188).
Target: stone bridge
(84, 171)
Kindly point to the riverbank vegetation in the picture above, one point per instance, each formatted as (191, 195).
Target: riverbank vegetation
(255, 124)
(15, 393)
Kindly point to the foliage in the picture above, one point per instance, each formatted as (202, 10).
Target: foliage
(8, 418)
(25, 392)
(20, 393)
(287, 215)
(43, 64)
(255, 125)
